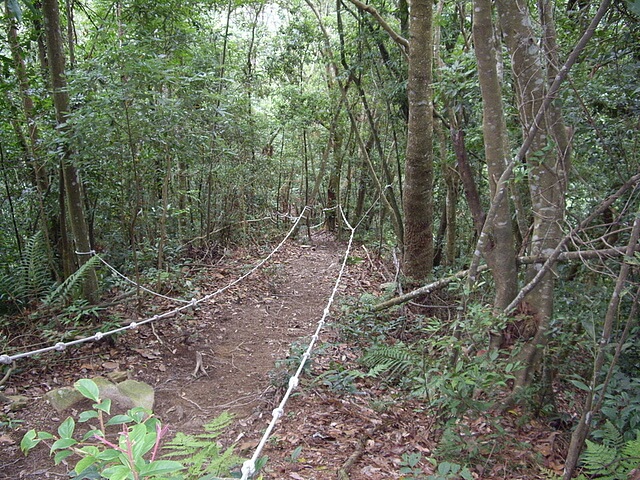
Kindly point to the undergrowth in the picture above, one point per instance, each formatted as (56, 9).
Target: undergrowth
(442, 364)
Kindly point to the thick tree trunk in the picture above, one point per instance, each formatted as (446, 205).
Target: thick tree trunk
(418, 188)
(546, 168)
(72, 184)
(500, 252)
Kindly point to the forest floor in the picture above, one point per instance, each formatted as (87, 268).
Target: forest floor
(250, 340)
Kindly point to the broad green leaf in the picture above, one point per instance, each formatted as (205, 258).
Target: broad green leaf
(119, 419)
(104, 405)
(84, 463)
(45, 436)
(66, 428)
(138, 414)
(88, 388)
(118, 472)
(141, 440)
(109, 455)
(63, 443)
(581, 385)
(61, 456)
(145, 445)
(160, 467)
(14, 9)
(90, 450)
(96, 432)
(29, 441)
(87, 415)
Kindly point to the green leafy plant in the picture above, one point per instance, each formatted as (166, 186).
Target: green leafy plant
(130, 456)
(410, 469)
(30, 279)
(395, 361)
(621, 405)
(409, 466)
(449, 471)
(65, 291)
(613, 458)
(201, 454)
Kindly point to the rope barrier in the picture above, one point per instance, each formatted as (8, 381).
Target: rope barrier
(61, 346)
(249, 466)
(124, 277)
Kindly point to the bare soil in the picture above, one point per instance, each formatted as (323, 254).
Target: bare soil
(235, 354)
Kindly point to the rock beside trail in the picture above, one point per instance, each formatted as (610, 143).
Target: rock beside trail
(125, 394)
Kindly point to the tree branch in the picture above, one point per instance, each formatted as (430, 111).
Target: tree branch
(553, 258)
(443, 282)
(395, 36)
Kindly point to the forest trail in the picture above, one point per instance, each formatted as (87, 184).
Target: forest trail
(221, 356)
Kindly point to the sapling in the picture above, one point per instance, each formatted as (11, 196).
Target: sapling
(131, 457)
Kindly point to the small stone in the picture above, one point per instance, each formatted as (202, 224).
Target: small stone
(117, 376)
(63, 398)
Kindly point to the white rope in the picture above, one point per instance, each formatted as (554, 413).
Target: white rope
(121, 275)
(249, 466)
(60, 346)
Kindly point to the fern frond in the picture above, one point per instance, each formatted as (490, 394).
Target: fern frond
(600, 460)
(30, 278)
(201, 453)
(395, 360)
(65, 290)
(631, 453)
(611, 436)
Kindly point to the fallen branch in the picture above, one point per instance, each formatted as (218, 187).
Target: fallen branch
(437, 285)
(8, 373)
(424, 290)
(343, 471)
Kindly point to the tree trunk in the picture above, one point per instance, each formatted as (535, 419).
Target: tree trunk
(500, 251)
(418, 188)
(546, 168)
(72, 183)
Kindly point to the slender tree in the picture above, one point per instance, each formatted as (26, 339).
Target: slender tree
(71, 177)
(546, 161)
(500, 250)
(418, 187)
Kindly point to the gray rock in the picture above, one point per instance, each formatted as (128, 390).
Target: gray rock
(140, 393)
(63, 398)
(124, 395)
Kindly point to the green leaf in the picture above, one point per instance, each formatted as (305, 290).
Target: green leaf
(66, 428)
(85, 463)
(634, 6)
(142, 440)
(92, 433)
(118, 472)
(119, 419)
(90, 450)
(14, 9)
(160, 467)
(29, 441)
(87, 415)
(466, 474)
(45, 436)
(88, 388)
(109, 455)
(444, 468)
(63, 443)
(104, 405)
(581, 385)
(61, 456)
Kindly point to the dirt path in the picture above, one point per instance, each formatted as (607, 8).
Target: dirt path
(237, 339)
